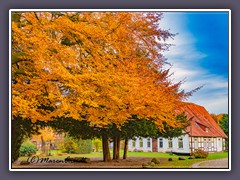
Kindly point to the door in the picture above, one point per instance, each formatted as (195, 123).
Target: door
(154, 145)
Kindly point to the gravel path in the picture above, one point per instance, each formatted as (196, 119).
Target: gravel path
(218, 163)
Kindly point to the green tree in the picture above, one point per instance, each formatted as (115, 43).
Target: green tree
(224, 124)
(69, 144)
(22, 129)
(147, 128)
(97, 144)
(84, 146)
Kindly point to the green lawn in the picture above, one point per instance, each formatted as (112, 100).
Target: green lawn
(166, 164)
(57, 154)
(189, 162)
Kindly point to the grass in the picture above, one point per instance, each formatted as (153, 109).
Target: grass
(56, 154)
(217, 155)
(189, 162)
(151, 154)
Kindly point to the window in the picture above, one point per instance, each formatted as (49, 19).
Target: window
(133, 143)
(180, 143)
(204, 143)
(209, 142)
(197, 125)
(169, 142)
(196, 143)
(148, 143)
(161, 143)
(140, 142)
(224, 145)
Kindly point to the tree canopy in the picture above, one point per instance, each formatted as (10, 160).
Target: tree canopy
(224, 121)
(102, 67)
(98, 67)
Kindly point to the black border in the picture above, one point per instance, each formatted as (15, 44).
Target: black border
(234, 5)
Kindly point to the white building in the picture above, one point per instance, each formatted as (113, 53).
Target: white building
(203, 133)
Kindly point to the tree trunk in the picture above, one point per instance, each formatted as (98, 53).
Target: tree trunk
(118, 147)
(16, 141)
(114, 147)
(43, 145)
(105, 146)
(125, 148)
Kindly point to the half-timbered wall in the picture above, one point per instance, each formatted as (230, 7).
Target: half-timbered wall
(209, 144)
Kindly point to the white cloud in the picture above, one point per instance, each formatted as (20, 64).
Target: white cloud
(184, 57)
(213, 102)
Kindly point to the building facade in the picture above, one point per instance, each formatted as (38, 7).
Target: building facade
(180, 144)
(203, 133)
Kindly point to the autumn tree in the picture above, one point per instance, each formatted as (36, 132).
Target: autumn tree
(216, 117)
(97, 67)
(46, 135)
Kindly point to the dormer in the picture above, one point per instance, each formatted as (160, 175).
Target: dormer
(203, 127)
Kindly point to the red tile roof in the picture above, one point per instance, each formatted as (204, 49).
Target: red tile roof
(200, 121)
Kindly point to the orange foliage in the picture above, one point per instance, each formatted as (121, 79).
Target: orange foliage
(95, 66)
(46, 134)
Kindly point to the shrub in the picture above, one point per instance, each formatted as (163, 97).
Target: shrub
(97, 143)
(199, 154)
(155, 160)
(60, 144)
(84, 146)
(191, 157)
(152, 164)
(145, 164)
(71, 145)
(148, 164)
(181, 158)
(27, 149)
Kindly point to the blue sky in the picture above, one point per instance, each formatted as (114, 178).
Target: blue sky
(200, 55)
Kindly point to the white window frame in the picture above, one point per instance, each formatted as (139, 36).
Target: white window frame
(133, 143)
(160, 142)
(180, 141)
(148, 142)
(204, 142)
(140, 142)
